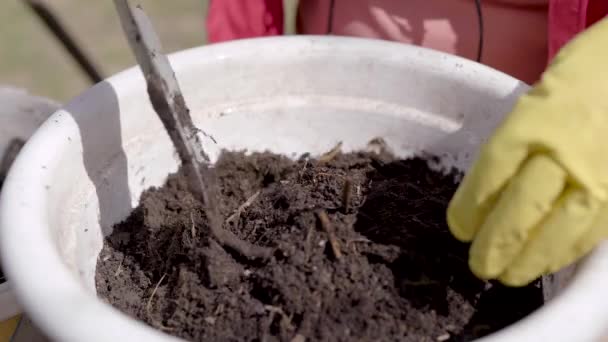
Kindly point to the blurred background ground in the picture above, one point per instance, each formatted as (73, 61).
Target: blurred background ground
(31, 58)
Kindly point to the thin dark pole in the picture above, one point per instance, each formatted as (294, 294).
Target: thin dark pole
(481, 29)
(330, 17)
(54, 25)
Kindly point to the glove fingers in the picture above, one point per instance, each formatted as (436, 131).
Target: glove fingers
(552, 244)
(528, 198)
(481, 187)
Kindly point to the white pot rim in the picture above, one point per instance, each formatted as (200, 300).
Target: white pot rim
(583, 305)
(20, 116)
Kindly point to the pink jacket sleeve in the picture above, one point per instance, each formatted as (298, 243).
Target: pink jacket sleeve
(236, 19)
(567, 18)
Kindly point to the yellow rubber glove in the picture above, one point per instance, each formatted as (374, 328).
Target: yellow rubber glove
(536, 199)
(8, 328)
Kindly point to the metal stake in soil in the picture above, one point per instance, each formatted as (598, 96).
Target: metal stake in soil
(169, 104)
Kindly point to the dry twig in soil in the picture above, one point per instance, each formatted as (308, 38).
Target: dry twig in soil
(298, 338)
(119, 268)
(234, 218)
(308, 243)
(443, 337)
(331, 154)
(346, 190)
(353, 242)
(153, 293)
(329, 229)
(284, 317)
(149, 304)
(192, 227)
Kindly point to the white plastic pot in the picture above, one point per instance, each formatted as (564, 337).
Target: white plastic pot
(20, 115)
(88, 164)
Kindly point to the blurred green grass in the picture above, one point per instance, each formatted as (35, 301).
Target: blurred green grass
(31, 58)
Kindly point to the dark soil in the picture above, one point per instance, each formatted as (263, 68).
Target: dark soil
(361, 253)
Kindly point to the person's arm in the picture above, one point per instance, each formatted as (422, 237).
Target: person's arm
(568, 18)
(237, 19)
(536, 199)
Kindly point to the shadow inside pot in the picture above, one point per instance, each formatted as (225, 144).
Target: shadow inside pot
(104, 158)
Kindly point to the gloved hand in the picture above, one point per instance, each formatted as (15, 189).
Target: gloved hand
(537, 197)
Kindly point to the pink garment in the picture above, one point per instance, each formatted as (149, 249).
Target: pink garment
(237, 19)
(520, 35)
(569, 17)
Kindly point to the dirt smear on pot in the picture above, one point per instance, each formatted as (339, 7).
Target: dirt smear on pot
(361, 252)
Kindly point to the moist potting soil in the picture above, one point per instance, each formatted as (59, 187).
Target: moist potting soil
(361, 252)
